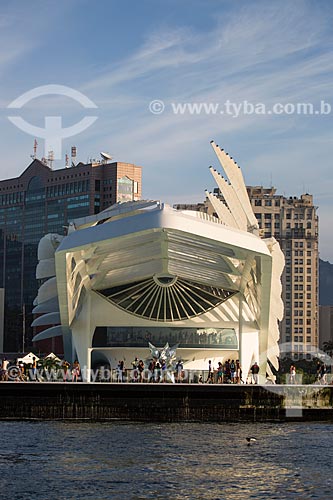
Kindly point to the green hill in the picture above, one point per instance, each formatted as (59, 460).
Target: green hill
(325, 283)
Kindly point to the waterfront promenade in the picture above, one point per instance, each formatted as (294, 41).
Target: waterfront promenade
(165, 402)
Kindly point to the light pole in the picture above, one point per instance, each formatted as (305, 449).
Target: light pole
(23, 327)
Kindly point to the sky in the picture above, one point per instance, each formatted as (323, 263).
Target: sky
(255, 62)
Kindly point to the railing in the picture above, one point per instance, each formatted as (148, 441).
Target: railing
(160, 376)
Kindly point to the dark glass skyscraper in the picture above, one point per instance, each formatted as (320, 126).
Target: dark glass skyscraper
(41, 201)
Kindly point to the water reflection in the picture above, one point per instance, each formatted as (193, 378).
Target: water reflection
(178, 461)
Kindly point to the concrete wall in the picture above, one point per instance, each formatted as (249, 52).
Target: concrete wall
(164, 402)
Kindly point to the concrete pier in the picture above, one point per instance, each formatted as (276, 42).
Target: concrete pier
(165, 402)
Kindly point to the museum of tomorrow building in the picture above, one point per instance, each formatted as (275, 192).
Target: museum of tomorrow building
(141, 273)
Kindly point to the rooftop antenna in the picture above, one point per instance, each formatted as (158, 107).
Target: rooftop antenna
(34, 156)
(73, 155)
(50, 159)
(106, 157)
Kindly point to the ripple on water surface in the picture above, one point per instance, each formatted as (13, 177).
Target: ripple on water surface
(54, 460)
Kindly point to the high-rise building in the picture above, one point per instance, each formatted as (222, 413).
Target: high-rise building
(294, 223)
(40, 201)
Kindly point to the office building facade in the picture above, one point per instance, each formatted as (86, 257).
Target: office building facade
(40, 201)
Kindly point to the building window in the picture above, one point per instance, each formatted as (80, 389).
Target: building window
(125, 189)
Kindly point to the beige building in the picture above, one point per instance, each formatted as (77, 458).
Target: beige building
(294, 223)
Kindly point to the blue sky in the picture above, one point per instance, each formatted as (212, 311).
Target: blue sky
(125, 54)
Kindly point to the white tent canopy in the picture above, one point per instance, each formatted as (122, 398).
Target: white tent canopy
(28, 358)
(53, 357)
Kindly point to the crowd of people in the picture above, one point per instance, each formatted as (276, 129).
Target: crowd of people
(229, 372)
(39, 371)
(320, 378)
(155, 370)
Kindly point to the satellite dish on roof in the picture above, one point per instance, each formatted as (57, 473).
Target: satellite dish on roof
(106, 156)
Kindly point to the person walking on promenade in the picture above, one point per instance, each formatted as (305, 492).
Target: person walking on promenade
(210, 372)
(135, 370)
(4, 369)
(220, 373)
(227, 372)
(292, 376)
(233, 372)
(323, 374)
(141, 368)
(76, 371)
(34, 369)
(163, 371)
(157, 372)
(255, 372)
(238, 372)
(151, 369)
(120, 371)
(65, 365)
